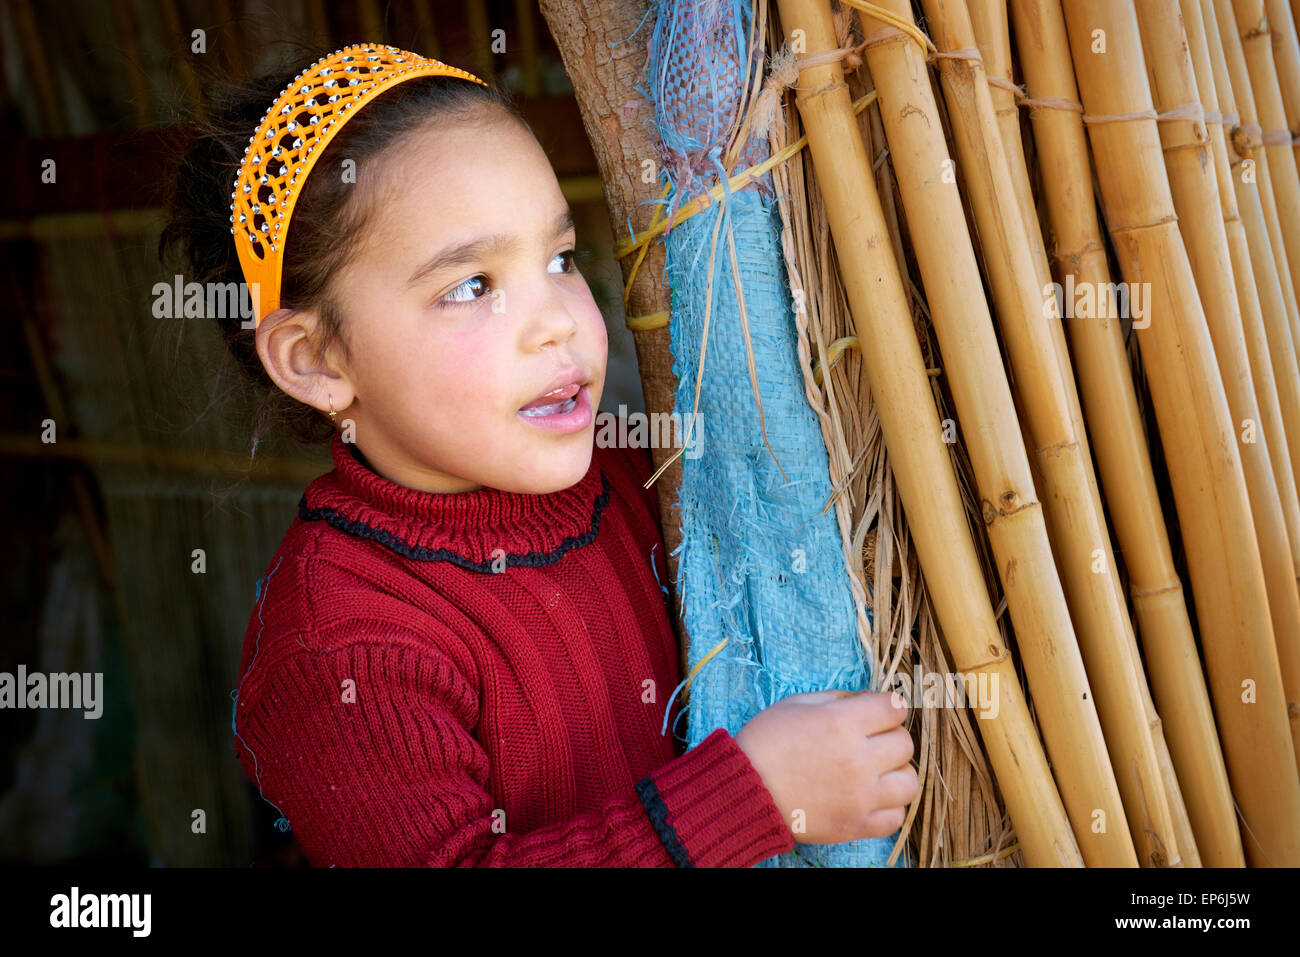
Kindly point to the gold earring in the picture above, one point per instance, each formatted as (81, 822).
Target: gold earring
(333, 415)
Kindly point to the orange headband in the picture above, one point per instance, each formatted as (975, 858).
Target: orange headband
(290, 139)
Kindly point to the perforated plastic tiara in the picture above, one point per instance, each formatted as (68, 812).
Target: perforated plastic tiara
(292, 135)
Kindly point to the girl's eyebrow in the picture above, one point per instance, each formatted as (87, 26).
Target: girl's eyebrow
(477, 249)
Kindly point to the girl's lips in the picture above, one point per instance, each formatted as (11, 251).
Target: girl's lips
(567, 415)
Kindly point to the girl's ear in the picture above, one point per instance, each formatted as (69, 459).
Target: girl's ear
(286, 344)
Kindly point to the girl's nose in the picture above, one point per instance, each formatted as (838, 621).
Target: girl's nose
(550, 322)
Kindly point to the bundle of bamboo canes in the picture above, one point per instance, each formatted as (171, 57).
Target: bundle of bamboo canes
(1162, 732)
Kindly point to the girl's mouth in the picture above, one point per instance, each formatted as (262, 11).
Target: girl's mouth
(567, 410)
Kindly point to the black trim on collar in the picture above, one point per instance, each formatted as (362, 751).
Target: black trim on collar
(657, 810)
(422, 554)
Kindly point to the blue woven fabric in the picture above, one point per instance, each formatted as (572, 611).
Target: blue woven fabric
(760, 564)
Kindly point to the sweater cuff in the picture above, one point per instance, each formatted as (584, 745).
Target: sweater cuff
(711, 808)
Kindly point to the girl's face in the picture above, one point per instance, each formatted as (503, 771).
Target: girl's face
(463, 309)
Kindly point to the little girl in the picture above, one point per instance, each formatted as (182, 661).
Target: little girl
(460, 653)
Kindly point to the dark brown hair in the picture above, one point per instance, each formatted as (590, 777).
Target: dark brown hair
(328, 220)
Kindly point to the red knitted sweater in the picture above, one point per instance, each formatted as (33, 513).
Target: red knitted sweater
(479, 679)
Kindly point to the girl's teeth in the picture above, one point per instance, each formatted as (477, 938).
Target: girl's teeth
(558, 408)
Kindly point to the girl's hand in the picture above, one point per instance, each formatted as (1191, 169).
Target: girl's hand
(836, 763)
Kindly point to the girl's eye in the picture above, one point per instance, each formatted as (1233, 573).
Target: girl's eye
(568, 258)
(464, 292)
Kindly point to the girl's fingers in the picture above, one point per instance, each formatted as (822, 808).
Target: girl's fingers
(885, 822)
(873, 713)
(898, 787)
(891, 749)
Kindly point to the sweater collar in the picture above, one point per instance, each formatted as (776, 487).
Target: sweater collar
(465, 528)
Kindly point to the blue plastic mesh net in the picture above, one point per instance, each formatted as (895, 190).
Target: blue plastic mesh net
(761, 564)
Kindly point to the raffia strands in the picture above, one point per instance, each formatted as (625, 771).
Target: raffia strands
(896, 372)
(1012, 514)
(1018, 275)
(959, 819)
(1196, 431)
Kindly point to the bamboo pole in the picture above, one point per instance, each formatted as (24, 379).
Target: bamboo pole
(989, 23)
(1253, 26)
(1286, 54)
(1119, 439)
(1195, 429)
(1248, 297)
(1267, 282)
(1281, 574)
(1285, 184)
(892, 360)
(1082, 546)
(1247, 138)
(1012, 511)
(1194, 185)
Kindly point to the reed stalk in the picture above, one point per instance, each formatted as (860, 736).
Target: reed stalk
(1119, 439)
(1013, 514)
(1280, 571)
(1195, 427)
(1023, 301)
(1246, 138)
(1252, 24)
(913, 435)
(1267, 281)
(1194, 184)
(1266, 388)
(1286, 54)
(990, 26)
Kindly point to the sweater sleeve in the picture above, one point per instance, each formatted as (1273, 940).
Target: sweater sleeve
(369, 753)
